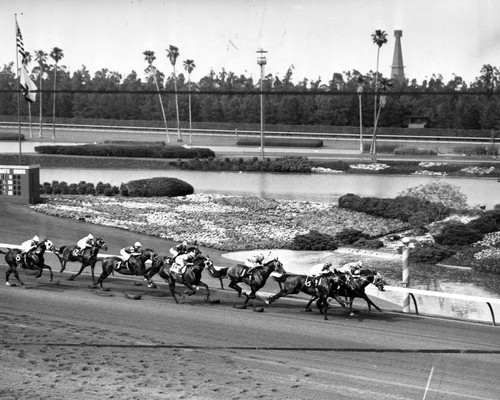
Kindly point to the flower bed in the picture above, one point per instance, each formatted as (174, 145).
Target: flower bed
(228, 223)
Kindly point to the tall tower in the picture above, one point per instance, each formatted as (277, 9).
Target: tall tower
(398, 73)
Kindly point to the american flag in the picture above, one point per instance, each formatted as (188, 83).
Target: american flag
(20, 44)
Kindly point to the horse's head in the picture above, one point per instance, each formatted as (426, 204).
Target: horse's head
(276, 265)
(378, 281)
(208, 264)
(148, 254)
(100, 244)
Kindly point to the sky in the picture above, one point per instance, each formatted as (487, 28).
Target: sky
(316, 37)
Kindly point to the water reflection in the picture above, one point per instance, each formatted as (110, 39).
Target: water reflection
(301, 187)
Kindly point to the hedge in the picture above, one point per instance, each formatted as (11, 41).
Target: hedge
(156, 187)
(280, 142)
(142, 151)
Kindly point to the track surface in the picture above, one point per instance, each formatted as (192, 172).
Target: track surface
(65, 339)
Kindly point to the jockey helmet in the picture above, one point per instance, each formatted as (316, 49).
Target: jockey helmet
(184, 243)
(137, 244)
(359, 263)
(327, 265)
(260, 257)
(36, 239)
(90, 236)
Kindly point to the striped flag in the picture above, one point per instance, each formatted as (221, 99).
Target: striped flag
(27, 85)
(20, 44)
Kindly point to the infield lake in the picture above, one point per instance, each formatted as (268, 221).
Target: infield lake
(299, 187)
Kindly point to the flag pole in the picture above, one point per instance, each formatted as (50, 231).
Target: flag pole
(18, 95)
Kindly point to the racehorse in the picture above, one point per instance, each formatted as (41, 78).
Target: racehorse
(154, 269)
(358, 285)
(136, 266)
(315, 287)
(218, 273)
(190, 278)
(238, 273)
(88, 257)
(33, 260)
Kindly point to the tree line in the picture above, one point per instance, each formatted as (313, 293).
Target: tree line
(227, 97)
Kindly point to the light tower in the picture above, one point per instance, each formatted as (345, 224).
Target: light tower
(261, 60)
(398, 73)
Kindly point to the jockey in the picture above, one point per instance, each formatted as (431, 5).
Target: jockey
(128, 252)
(351, 271)
(27, 246)
(84, 243)
(254, 262)
(183, 260)
(179, 249)
(325, 270)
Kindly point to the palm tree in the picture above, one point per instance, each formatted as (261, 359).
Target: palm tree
(384, 85)
(26, 60)
(56, 54)
(41, 57)
(172, 54)
(189, 66)
(379, 38)
(359, 89)
(149, 56)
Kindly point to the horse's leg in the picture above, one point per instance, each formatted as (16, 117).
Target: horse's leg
(234, 285)
(72, 277)
(370, 302)
(171, 285)
(221, 283)
(16, 274)
(308, 306)
(281, 293)
(106, 271)
(191, 290)
(50, 271)
(200, 283)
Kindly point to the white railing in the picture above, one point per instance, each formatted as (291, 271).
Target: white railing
(269, 134)
(448, 305)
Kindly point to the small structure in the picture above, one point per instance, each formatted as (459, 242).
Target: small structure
(418, 122)
(398, 72)
(20, 183)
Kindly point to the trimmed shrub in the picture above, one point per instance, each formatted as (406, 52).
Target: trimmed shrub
(314, 240)
(103, 150)
(486, 223)
(280, 142)
(368, 243)
(156, 187)
(402, 207)
(454, 233)
(349, 236)
(430, 253)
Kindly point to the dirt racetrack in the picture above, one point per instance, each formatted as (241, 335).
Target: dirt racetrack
(67, 340)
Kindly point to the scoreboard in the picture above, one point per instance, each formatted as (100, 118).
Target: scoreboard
(20, 183)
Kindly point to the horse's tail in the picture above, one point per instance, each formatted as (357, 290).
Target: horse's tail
(3, 252)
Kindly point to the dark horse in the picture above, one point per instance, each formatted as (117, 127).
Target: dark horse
(33, 260)
(358, 285)
(296, 283)
(238, 273)
(88, 257)
(218, 273)
(350, 288)
(136, 267)
(190, 278)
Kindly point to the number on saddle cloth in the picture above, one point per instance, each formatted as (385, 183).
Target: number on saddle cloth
(310, 281)
(76, 252)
